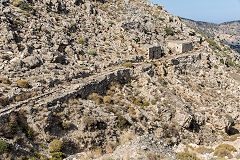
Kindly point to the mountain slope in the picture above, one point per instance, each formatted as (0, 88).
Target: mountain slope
(84, 79)
(228, 32)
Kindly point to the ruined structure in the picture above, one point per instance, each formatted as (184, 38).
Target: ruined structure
(155, 52)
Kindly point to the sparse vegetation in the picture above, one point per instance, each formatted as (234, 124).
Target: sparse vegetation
(186, 156)
(145, 90)
(169, 31)
(213, 44)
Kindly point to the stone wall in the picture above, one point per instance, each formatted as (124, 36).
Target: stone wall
(94, 84)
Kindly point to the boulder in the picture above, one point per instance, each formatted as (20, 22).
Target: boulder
(32, 62)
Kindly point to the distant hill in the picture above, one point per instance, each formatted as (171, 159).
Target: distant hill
(227, 32)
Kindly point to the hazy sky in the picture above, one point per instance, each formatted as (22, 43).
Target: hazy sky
(216, 11)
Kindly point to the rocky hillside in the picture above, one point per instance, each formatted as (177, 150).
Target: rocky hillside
(228, 32)
(113, 79)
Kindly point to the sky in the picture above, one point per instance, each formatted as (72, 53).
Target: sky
(215, 11)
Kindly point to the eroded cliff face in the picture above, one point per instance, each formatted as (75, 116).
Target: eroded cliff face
(99, 79)
(228, 32)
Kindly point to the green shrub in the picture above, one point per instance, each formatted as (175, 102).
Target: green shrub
(213, 44)
(66, 125)
(122, 122)
(37, 155)
(55, 146)
(229, 62)
(30, 132)
(169, 31)
(82, 40)
(145, 103)
(161, 19)
(22, 5)
(222, 61)
(57, 155)
(110, 22)
(23, 158)
(230, 119)
(92, 52)
(153, 102)
(162, 81)
(3, 146)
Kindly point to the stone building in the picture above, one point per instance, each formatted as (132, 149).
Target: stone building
(155, 52)
(180, 46)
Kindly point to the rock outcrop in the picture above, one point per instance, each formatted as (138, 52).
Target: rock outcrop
(97, 79)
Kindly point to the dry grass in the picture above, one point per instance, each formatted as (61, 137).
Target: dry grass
(107, 99)
(23, 84)
(95, 97)
(223, 153)
(5, 81)
(186, 156)
(4, 101)
(128, 65)
(98, 152)
(204, 150)
(227, 147)
(23, 96)
(126, 137)
(234, 137)
(224, 150)
(55, 146)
